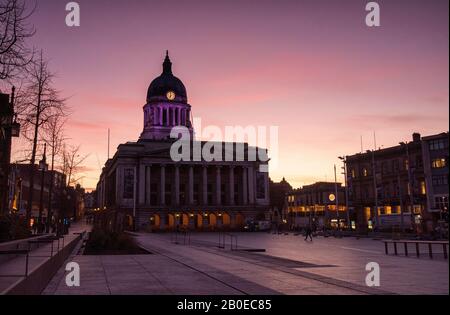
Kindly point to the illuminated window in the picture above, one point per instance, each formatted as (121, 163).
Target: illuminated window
(423, 188)
(365, 172)
(387, 210)
(439, 163)
(353, 173)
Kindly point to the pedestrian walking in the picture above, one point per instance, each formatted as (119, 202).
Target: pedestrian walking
(308, 233)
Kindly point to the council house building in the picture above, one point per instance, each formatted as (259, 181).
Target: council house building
(141, 186)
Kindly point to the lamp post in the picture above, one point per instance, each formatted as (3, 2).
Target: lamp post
(42, 168)
(336, 198)
(343, 159)
(410, 188)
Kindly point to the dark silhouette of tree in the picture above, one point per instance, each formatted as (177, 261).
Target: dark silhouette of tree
(72, 164)
(14, 30)
(38, 103)
(54, 137)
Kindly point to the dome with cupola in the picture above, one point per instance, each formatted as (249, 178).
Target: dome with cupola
(167, 87)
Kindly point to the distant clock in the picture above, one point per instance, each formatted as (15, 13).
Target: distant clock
(332, 197)
(170, 95)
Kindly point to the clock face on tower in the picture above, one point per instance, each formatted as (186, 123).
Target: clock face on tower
(170, 95)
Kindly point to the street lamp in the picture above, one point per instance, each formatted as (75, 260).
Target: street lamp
(410, 188)
(344, 160)
(42, 167)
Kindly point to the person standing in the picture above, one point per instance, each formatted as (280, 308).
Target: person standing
(308, 233)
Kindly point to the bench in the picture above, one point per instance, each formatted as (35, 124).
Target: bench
(417, 243)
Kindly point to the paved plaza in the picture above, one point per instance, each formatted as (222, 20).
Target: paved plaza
(289, 265)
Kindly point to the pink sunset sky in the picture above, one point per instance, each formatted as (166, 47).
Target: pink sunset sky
(313, 68)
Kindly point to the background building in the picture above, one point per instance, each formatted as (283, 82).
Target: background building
(316, 205)
(8, 128)
(435, 152)
(392, 188)
(19, 189)
(278, 193)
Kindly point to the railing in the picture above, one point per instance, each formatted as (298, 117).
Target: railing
(17, 252)
(48, 239)
(184, 236)
(233, 240)
(405, 243)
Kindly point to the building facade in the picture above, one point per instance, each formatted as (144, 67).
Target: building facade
(392, 188)
(435, 159)
(315, 205)
(19, 189)
(144, 187)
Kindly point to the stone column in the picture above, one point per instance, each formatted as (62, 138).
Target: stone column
(192, 221)
(205, 222)
(231, 187)
(163, 185)
(177, 184)
(119, 191)
(179, 115)
(160, 113)
(148, 181)
(191, 185)
(205, 185)
(141, 183)
(166, 123)
(251, 185)
(162, 221)
(173, 117)
(218, 186)
(244, 186)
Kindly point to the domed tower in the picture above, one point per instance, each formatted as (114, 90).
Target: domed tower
(167, 105)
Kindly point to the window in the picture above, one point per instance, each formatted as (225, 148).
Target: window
(419, 161)
(423, 188)
(384, 168)
(439, 163)
(440, 180)
(441, 202)
(437, 144)
(128, 183)
(260, 185)
(395, 165)
(365, 172)
(353, 173)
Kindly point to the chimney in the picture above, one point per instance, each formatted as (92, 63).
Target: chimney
(416, 136)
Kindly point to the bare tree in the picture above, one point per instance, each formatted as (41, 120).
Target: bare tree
(72, 164)
(54, 137)
(38, 103)
(14, 30)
